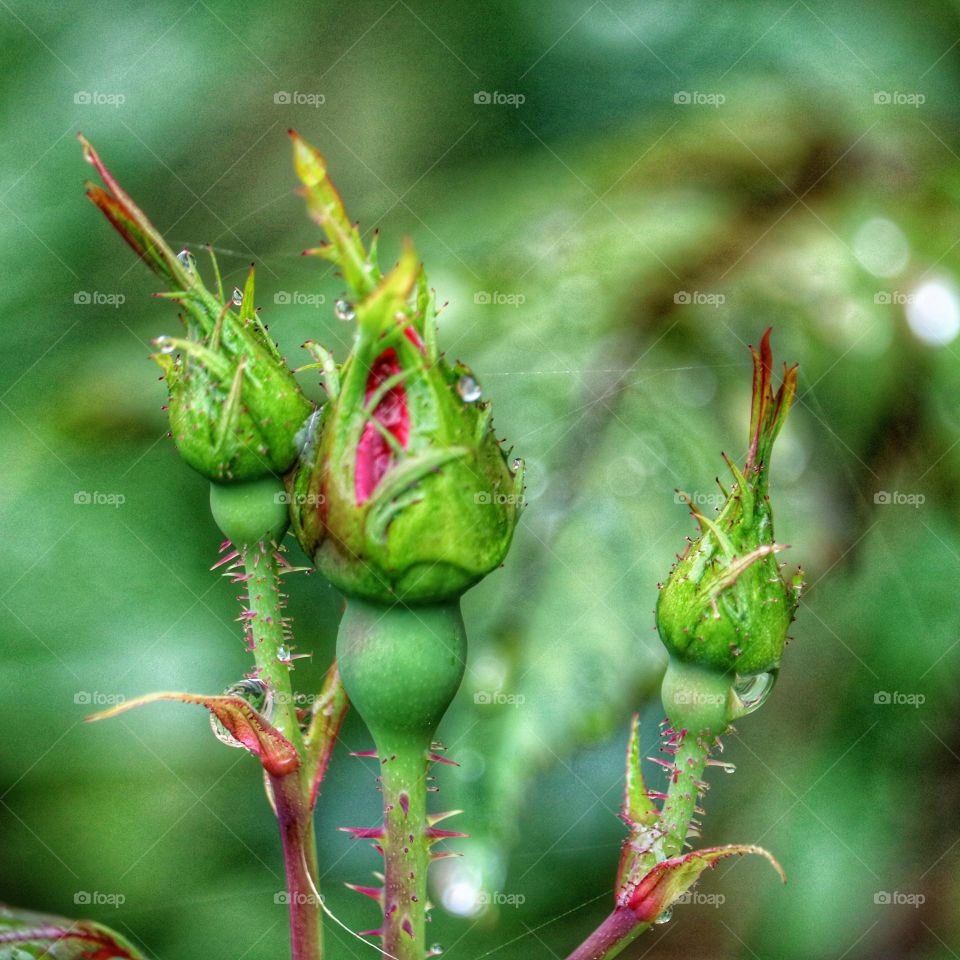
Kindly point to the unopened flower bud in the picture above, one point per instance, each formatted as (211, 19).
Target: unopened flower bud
(235, 409)
(726, 605)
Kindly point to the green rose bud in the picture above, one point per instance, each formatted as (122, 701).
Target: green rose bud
(235, 409)
(726, 606)
(403, 491)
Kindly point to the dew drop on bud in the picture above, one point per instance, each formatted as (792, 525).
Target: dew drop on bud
(517, 464)
(664, 917)
(283, 653)
(237, 296)
(750, 692)
(469, 389)
(257, 694)
(186, 260)
(343, 310)
(165, 344)
(435, 950)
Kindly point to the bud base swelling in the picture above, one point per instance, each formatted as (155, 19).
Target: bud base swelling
(401, 668)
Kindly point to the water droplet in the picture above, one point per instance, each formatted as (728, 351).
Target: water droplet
(186, 260)
(343, 310)
(165, 344)
(435, 950)
(664, 917)
(283, 653)
(517, 464)
(257, 694)
(735, 650)
(750, 692)
(468, 388)
(237, 296)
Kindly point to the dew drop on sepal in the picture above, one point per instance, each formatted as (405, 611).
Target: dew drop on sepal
(469, 389)
(343, 310)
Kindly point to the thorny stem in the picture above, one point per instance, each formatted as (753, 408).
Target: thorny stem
(684, 791)
(677, 821)
(406, 854)
(263, 618)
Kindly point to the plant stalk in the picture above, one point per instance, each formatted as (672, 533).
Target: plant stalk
(291, 793)
(623, 926)
(401, 667)
(619, 929)
(406, 852)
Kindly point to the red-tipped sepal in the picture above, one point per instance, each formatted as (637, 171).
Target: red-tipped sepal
(277, 754)
(659, 889)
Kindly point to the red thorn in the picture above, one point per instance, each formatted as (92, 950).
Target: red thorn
(375, 893)
(663, 763)
(436, 758)
(370, 933)
(407, 927)
(404, 800)
(434, 834)
(363, 753)
(364, 833)
(444, 855)
(230, 556)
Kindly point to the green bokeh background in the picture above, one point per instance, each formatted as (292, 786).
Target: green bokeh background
(600, 203)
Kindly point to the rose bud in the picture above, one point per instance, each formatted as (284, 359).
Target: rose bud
(235, 409)
(726, 608)
(403, 491)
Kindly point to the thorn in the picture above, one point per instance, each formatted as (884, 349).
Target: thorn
(370, 933)
(375, 893)
(433, 834)
(364, 833)
(663, 763)
(233, 555)
(407, 927)
(404, 800)
(436, 758)
(434, 818)
(444, 855)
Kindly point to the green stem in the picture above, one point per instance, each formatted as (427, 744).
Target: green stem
(683, 793)
(265, 601)
(406, 852)
(291, 793)
(401, 667)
